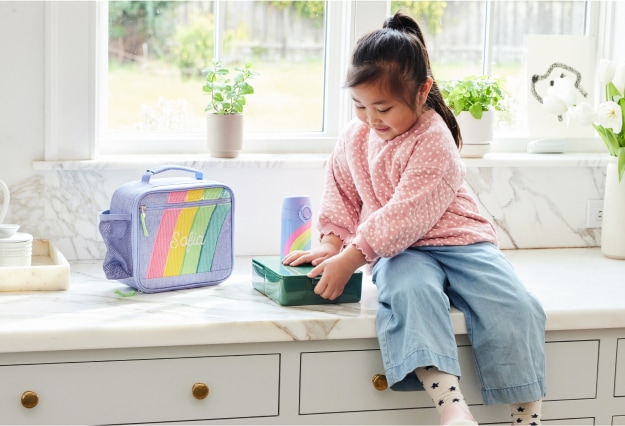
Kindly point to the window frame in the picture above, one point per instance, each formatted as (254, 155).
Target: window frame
(75, 86)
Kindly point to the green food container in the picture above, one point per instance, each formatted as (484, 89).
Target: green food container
(289, 285)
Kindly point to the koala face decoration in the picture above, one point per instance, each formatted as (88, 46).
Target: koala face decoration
(562, 88)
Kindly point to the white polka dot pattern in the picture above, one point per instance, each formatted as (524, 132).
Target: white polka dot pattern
(386, 196)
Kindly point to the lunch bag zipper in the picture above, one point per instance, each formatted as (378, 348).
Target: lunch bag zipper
(143, 208)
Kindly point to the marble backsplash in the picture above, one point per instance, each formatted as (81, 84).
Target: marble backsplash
(531, 205)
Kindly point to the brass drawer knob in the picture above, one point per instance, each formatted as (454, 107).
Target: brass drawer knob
(379, 382)
(30, 399)
(199, 390)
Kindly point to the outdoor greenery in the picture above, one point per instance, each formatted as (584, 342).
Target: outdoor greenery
(195, 44)
(136, 25)
(427, 12)
(311, 9)
(158, 49)
(182, 33)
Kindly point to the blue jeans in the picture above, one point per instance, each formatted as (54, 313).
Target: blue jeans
(505, 323)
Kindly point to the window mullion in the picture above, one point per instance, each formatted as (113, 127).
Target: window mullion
(346, 21)
(337, 106)
(600, 23)
(219, 14)
(487, 49)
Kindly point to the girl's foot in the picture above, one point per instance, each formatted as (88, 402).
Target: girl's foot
(457, 413)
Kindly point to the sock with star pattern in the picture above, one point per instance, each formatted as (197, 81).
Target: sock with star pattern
(442, 387)
(527, 413)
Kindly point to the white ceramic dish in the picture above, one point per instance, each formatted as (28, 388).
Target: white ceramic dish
(8, 230)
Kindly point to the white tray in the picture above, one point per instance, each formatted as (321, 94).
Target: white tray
(49, 270)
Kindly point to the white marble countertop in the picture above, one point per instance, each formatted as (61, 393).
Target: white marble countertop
(579, 289)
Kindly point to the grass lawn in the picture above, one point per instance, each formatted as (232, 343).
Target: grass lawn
(287, 96)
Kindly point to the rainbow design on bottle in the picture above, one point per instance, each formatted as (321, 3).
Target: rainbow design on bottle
(298, 240)
(188, 233)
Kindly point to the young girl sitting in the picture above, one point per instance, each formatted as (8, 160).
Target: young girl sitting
(395, 199)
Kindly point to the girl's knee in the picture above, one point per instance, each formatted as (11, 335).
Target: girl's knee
(535, 310)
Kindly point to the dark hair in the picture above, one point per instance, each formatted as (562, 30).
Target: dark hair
(396, 57)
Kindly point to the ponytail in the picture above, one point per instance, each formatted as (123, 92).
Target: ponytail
(435, 100)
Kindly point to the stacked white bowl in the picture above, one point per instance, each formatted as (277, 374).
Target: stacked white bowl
(16, 250)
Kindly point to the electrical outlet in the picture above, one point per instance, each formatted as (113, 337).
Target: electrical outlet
(594, 213)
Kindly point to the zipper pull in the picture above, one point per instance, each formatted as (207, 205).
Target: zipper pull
(145, 228)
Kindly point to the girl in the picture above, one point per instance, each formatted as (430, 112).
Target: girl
(394, 198)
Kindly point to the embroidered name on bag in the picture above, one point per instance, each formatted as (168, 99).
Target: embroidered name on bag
(187, 237)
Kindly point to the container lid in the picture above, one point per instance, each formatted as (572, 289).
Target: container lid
(273, 264)
(17, 238)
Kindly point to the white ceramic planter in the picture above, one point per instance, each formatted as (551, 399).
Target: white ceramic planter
(224, 135)
(613, 222)
(476, 134)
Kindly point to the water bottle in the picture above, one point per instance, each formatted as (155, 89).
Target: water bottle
(296, 224)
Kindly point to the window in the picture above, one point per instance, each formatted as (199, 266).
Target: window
(488, 37)
(157, 51)
(87, 102)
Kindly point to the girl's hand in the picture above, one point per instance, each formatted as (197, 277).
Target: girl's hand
(337, 270)
(330, 246)
(313, 257)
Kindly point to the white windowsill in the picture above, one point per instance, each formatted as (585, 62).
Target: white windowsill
(244, 161)
(308, 161)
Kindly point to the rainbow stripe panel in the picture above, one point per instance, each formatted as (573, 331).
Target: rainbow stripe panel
(190, 233)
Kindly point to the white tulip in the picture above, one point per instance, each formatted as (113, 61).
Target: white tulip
(619, 76)
(607, 70)
(609, 115)
(583, 114)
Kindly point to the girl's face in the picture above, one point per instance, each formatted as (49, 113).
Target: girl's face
(387, 115)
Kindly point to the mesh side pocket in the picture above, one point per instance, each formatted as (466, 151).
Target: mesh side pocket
(115, 231)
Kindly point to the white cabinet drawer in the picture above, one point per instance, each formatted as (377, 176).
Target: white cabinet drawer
(619, 383)
(572, 370)
(342, 381)
(145, 390)
(618, 420)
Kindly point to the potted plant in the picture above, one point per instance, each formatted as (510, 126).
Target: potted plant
(474, 101)
(224, 118)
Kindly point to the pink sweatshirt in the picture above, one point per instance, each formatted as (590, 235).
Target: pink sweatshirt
(385, 196)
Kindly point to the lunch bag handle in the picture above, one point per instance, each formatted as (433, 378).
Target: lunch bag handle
(199, 175)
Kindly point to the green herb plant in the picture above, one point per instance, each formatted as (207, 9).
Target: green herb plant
(474, 94)
(227, 93)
